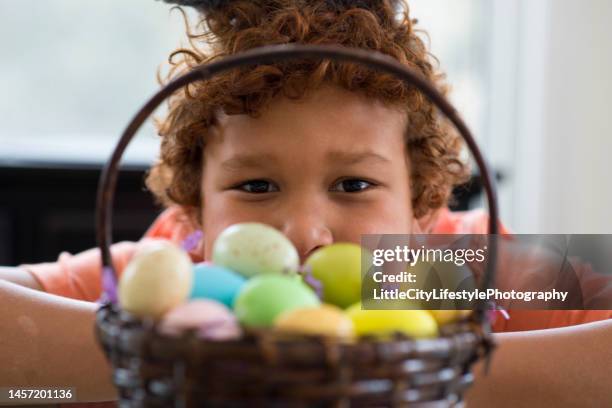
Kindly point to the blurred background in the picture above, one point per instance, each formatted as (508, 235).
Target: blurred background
(531, 77)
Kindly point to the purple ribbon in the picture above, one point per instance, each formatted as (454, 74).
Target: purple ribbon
(109, 286)
(496, 311)
(191, 242)
(314, 283)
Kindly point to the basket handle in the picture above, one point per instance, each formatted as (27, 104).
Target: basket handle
(268, 54)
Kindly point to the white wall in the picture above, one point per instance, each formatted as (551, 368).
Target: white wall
(578, 114)
(562, 111)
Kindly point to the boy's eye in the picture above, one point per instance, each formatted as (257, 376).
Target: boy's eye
(352, 186)
(257, 186)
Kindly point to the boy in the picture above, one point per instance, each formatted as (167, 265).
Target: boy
(324, 152)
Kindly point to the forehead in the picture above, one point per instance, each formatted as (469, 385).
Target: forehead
(328, 119)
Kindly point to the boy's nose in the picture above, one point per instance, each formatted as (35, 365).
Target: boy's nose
(307, 230)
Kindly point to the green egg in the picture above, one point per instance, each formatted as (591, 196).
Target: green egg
(253, 249)
(263, 298)
(338, 268)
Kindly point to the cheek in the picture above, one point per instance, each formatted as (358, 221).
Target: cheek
(215, 218)
(218, 213)
(388, 217)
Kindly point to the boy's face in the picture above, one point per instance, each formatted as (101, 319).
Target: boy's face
(324, 169)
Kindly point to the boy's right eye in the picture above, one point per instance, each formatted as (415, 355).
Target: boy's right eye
(257, 187)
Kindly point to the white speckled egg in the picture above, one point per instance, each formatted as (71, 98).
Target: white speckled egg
(253, 248)
(157, 279)
(210, 319)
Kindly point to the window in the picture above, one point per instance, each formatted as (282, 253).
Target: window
(457, 37)
(75, 71)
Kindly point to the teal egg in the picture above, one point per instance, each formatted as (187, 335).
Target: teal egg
(265, 297)
(216, 283)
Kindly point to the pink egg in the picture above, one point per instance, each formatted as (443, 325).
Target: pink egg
(210, 319)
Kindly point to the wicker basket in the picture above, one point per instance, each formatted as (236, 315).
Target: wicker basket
(272, 370)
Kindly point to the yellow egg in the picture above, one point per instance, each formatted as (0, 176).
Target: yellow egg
(323, 320)
(157, 279)
(414, 323)
(449, 316)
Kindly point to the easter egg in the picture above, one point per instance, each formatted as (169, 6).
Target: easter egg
(414, 323)
(324, 320)
(157, 279)
(338, 268)
(216, 282)
(210, 320)
(449, 316)
(252, 249)
(263, 298)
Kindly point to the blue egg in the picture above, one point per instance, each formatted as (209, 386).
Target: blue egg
(216, 283)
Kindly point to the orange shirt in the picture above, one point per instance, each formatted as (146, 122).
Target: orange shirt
(78, 276)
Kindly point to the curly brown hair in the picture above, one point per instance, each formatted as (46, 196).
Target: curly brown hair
(236, 26)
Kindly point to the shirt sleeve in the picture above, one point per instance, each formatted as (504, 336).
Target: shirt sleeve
(596, 287)
(476, 222)
(521, 320)
(78, 276)
(464, 222)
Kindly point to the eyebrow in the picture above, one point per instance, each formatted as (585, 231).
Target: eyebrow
(247, 161)
(349, 158)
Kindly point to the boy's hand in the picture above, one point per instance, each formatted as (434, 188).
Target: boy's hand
(20, 277)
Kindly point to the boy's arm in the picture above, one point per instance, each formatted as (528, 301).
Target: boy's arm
(78, 276)
(569, 366)
(20, 277)
(48, 341)
(74, 276)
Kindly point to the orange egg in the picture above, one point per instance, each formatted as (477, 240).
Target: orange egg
(323, 320)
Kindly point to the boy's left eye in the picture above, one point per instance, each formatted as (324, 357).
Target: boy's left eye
(352, 185)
